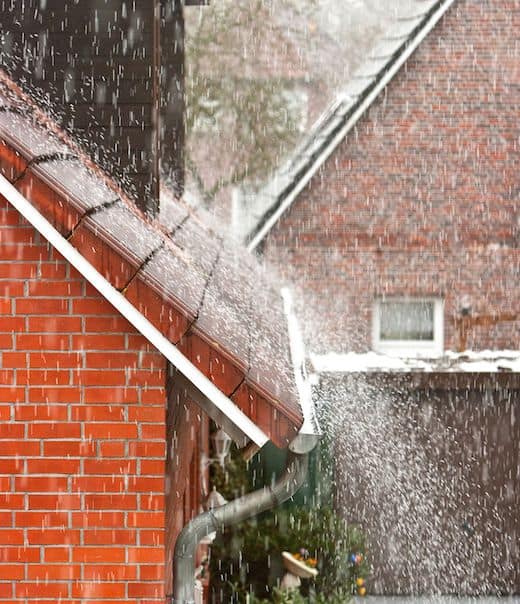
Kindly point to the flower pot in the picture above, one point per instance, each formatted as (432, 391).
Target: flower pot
(296, 567)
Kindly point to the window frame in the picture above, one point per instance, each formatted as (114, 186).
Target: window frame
(409, 348)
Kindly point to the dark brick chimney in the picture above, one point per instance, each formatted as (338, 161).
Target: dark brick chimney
(114, 70)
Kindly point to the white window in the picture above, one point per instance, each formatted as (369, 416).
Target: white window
(409, 326)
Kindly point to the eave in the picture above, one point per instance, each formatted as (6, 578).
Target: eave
(442, 381)
(75, 206)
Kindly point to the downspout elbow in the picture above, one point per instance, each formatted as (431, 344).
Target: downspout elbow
(184, 556)
(233, 512)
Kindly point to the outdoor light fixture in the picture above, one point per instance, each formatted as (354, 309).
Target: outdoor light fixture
(221, 445)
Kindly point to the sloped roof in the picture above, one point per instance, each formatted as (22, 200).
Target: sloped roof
(202, 292)
(368, 81)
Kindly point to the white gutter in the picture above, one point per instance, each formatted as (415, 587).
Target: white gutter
(287, 202)
(310, 431)
(141, 323)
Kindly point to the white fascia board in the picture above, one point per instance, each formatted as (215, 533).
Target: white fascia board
(138, 320)
(354, 118)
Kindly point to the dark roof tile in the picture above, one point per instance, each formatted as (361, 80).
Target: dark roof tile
(200, 243)
(82, 187)
(172, 212)
(34, 140)
(128, 234)
(174, 276)
(218, 290)
(270, 360)
(226, 307)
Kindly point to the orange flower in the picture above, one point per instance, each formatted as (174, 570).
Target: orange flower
(310, 562)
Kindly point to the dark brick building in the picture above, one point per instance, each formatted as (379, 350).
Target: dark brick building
(419, 198)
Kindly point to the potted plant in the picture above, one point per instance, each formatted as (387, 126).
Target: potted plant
(300, 564)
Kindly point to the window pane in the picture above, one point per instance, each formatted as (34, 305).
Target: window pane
(406, 321)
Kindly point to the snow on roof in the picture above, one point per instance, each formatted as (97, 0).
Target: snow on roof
(469, 361)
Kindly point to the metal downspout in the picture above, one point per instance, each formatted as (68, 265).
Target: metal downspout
(233, 512)
(266, 498)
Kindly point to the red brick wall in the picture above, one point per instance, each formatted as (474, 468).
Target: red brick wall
(82, 436)
(422, 199)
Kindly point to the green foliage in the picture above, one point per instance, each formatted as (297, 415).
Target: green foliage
(292, 596)
(233, 481)
(247, 558)
(244, 109)
(329, 539)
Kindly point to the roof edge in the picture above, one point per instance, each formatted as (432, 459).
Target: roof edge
(222, 403)
(286, 198)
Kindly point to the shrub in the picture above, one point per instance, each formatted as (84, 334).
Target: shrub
(246, 559)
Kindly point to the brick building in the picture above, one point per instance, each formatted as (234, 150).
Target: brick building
(127, 323)
(413, 193)
(398, 219)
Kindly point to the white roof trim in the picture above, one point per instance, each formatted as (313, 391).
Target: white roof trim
(469, 361)
(139, 321)
(354, 118)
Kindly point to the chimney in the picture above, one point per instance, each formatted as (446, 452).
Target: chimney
(114, 70)
(172, 134)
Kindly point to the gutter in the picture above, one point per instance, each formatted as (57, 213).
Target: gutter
(236, 423)
(286, 202)
(309, 433)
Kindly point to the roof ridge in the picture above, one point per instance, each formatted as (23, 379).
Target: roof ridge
(343, 113)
